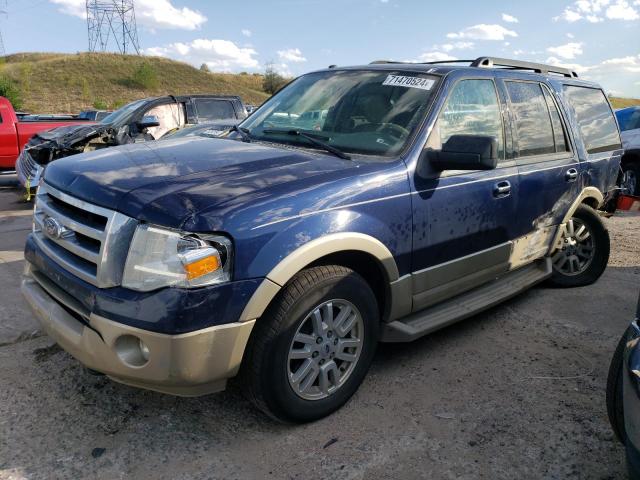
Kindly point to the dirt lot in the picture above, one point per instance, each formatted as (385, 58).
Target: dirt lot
(517, 392)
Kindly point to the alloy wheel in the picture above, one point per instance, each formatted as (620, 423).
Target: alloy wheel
(576, 249)
(325, 349)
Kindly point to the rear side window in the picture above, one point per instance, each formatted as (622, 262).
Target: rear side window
(532, 120)
(595, 118)
(472, 109)
(214, 109)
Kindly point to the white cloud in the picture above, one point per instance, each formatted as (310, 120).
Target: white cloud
(621, 10)
(568, 51)
(595, 11)
(246, 32)
(483, 32)
(434, 57)
(222, 55)
(573, 66)
(291, 55)
(149, 13)
(448, 47)
(509, 18)
(570, 35)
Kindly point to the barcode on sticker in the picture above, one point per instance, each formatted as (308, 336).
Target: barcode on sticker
(411, 82)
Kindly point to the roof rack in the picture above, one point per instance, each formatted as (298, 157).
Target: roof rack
(491, 62)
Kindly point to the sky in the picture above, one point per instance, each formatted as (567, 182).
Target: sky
(600, 39)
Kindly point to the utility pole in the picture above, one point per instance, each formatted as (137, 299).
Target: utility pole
(112, 22)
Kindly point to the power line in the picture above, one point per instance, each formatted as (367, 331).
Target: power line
(112, 22)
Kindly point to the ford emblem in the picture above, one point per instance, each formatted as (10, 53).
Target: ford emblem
(52, 227)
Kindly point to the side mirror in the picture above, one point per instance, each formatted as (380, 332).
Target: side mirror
(465, 152)
(148, 121)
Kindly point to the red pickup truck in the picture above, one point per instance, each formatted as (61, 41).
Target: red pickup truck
(15, 133)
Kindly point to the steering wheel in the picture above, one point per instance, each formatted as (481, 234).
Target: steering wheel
(393, 129)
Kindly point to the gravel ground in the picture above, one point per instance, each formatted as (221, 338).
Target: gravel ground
(516, 392)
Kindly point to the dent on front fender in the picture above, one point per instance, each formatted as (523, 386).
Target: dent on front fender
(384, 237)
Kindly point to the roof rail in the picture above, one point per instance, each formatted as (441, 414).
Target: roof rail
(491, 62)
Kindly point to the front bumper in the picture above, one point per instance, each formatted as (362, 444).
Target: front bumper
(187, 364)
(28, 171)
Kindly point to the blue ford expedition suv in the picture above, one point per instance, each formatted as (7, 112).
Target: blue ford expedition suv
(413, 196)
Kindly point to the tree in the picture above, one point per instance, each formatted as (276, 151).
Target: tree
(272, 80)
(204, 68)
(10, 91)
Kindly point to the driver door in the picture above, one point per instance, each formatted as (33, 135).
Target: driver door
(463, 220)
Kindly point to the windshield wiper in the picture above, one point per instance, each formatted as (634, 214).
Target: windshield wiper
(244, 133)
(311, 138)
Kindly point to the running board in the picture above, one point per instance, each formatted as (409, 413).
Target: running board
(467, 304)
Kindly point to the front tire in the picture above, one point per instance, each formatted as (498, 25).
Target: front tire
(615, 408)
(313, 347)
(582, 254)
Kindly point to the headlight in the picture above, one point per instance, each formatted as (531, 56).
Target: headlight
(163, 258)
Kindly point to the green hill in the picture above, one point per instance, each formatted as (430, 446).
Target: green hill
(57, 82)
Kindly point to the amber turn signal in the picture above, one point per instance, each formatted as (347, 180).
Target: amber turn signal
(202, 267)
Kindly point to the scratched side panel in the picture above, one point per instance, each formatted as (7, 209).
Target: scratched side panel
(458, 215)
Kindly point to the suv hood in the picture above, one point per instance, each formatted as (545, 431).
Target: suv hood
(166, 182)
(49, 145)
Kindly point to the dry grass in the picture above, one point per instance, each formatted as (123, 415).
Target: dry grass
(618, 102)
(54, 82)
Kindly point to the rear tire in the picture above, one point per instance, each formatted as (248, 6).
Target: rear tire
(615, 407)
(304, 330)
(585, 250)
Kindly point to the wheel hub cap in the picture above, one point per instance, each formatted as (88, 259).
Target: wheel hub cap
(325, 349)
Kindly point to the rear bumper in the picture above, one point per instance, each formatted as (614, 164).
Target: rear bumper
(188, 364)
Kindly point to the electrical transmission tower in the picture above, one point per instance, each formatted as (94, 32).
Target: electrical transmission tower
(3, 13)
(110, 22)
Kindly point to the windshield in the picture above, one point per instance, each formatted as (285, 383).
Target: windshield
(365, 112)
(122, 113)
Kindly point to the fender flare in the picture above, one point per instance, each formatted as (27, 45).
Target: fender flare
(586, 193)
(309, 253)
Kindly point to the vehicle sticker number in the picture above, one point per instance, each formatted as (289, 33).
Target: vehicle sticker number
(411, 82)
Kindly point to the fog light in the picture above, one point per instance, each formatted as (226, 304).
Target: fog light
(144, 350)
(132, 351)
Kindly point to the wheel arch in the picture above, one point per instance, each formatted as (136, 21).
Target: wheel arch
(630, 156)
(362, 253)
(590, 196)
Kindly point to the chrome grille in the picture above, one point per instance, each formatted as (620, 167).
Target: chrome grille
(87, 240)
(26, 166)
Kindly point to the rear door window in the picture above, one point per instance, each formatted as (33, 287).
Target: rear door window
(214, 109)
(532, 121)
(594, 117)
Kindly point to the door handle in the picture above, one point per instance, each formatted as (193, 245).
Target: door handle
(571, 175)
(502, 189)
